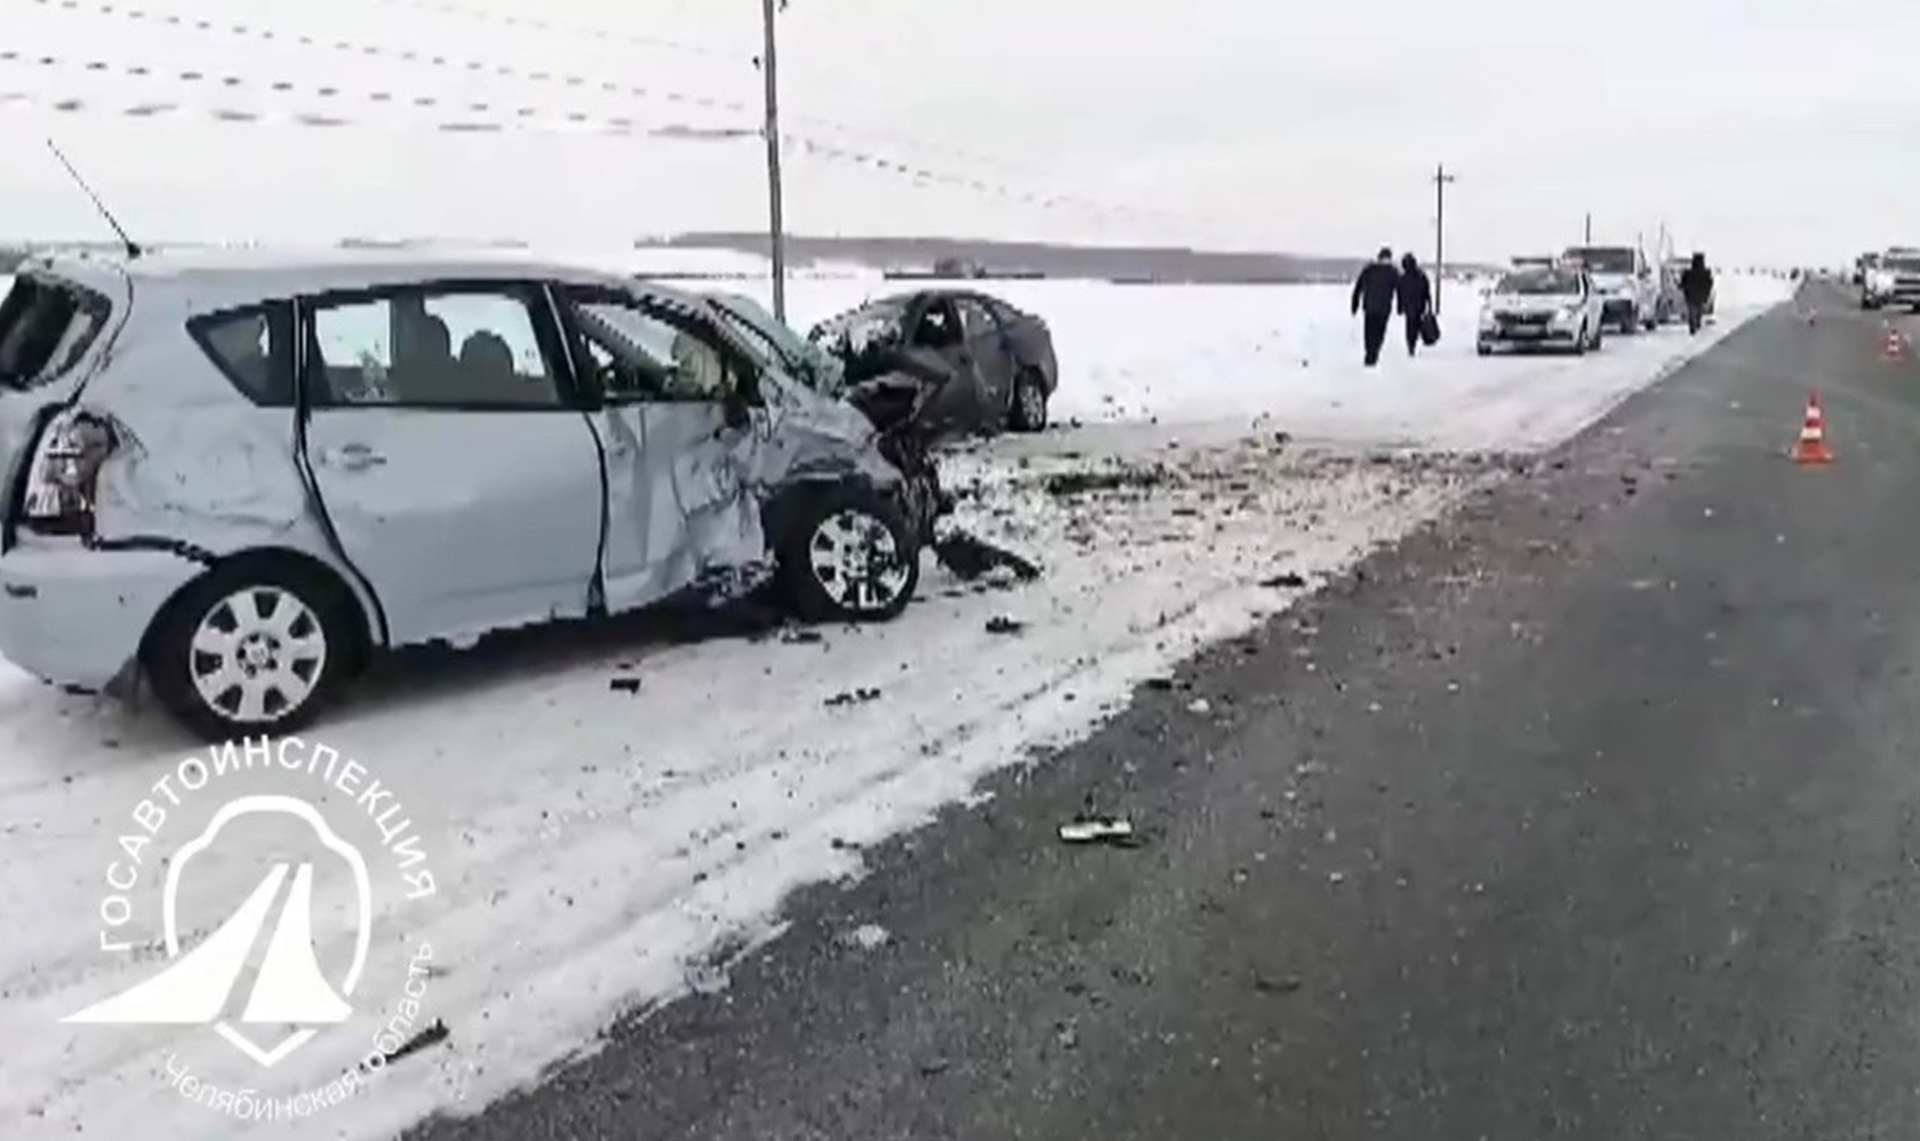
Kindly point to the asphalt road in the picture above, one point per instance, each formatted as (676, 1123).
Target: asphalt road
(1588, 813)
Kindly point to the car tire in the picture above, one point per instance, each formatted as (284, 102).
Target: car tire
(254, 647)
(844, 527)
(1028, 410)
(1599, 337)
(1484, 350)
(1581, 342)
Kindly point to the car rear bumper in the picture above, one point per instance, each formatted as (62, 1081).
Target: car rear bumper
(75, 617)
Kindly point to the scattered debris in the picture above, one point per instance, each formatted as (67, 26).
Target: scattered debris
(705, 977)
(1200, 705)
(853, 697)
(1284, 985)
(1291, 580)
(1163, 684)
(969, 557)
(1001, 624)
(1109, 830)
(1071, 483)
(800, 635)
(869, 937)
(432, 1035)
(934, 1067)
(624, 685)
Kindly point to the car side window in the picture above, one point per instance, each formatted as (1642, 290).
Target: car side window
(976, 320)
(939, 327)
(477, 349)
(644, 353)
(253, 347)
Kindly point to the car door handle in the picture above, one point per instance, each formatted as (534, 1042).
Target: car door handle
(352, 457)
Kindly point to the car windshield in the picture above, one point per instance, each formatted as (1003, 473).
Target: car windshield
(1600, 260)
(1537, 282)
(877, 324)
(750, 321)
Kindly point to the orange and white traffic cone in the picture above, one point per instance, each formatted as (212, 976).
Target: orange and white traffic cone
(1812, 447)
(1894, 347)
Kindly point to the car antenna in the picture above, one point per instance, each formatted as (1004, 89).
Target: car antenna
(133, 247)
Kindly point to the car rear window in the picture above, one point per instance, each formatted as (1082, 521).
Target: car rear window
(45, 328)
(253, 347)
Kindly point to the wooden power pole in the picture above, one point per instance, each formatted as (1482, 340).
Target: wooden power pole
(776, 224)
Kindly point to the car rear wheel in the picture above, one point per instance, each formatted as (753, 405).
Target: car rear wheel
(849, 555)
(255, 647)
(1029, 410)
(1582, 342)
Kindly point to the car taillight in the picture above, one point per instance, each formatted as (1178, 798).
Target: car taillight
(66, 466)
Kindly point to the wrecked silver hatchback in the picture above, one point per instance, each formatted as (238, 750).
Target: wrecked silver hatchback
(237, 477)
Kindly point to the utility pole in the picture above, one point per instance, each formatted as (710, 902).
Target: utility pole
(776, 224)
(1589, 238)
(1440, 180)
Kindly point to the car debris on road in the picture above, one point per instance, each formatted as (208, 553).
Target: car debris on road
(1116, 831)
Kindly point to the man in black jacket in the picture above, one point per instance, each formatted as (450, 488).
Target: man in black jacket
(1375, 291)
(1416, 298)
(1696, 285)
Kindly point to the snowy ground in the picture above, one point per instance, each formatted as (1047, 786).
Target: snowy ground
(603, 850)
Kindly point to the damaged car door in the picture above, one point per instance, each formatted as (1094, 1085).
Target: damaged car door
(992, 356)
(676, 423)
(963, 403)
(457, 472)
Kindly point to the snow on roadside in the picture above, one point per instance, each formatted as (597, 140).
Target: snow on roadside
(598, 848)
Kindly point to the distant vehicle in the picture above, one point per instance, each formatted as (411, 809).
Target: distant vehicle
(1553, 308)
(431, 451)
(1893, 279)
(1631, 295)
(992, 364)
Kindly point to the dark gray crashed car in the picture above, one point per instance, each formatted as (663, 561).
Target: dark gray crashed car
(981, 365)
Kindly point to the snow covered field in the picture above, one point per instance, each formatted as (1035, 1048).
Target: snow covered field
(600, 849)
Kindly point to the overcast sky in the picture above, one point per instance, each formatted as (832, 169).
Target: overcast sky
(1760, 130)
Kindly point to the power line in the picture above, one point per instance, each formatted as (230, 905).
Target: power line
(477, 116)
(481, 67)
(473, 118)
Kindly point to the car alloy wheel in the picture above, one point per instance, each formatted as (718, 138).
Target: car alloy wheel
(1029, 412)
(257, 655)
(857, 562)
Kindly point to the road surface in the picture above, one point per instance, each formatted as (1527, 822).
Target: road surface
(1588, 813)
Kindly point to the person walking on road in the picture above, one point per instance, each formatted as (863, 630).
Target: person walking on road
(1416, 300)
(1374, 293)
(1696, 286)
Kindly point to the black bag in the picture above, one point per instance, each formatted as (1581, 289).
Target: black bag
(1429, 330)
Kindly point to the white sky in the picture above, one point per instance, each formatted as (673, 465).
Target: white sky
(1761, 130)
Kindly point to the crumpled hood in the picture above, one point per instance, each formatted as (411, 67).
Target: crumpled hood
(805, 430)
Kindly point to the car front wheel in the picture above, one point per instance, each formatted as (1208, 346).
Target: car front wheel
(1029, 411)
(255, 647)
(849, 555)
